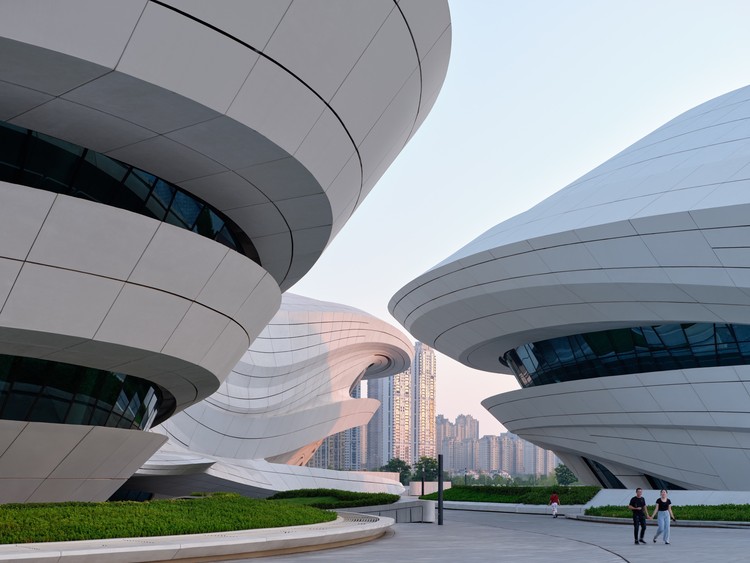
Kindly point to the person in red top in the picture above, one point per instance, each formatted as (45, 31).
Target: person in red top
(554, 501)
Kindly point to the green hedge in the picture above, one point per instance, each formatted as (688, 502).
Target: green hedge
(344, 499)
(719, 512)
(220, 512)
(517, 495)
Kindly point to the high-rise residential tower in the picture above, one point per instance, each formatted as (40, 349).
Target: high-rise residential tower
(424, 372)
(467, 427)
(379, 433)
(404, 426)
(402, 417)
(489, 454)
(342, 451)
(444, 430)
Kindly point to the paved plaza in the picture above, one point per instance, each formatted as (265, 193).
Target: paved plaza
(474, 537)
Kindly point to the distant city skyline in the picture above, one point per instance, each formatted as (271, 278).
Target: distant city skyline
(465, 452)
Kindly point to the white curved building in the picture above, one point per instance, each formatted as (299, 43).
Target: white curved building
(167, 169)
(622, 305)
(293, 386)
(291, 390)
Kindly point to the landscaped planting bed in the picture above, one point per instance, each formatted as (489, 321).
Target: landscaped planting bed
(333, 498)
(517, 495)
(218, 512)
(718, 512)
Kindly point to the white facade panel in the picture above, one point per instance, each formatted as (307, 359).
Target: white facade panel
(138, 102)
(56, 462)
(82, 125)
(114, 256)
(169, 264)
(338, 47)
(325, 151)
(16, 100)
(278, 105)
(97, 31)
(390, 48)
(59, 301)
(167, 159)
(187, 63)
(22, 212)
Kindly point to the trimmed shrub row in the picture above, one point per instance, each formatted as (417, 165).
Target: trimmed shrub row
(719, 512)
(517, 495)
(344, 499)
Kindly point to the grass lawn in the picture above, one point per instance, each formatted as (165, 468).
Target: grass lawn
(219, 512)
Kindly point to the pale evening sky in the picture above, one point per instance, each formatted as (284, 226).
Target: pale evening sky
(537, 94)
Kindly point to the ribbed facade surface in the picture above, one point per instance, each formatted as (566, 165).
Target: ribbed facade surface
(294, 385)
(174, 471)
(622, 304)
(167, 169)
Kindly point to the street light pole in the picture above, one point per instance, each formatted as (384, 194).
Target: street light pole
(440, 489)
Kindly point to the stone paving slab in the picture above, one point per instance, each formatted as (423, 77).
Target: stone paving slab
(482, 537)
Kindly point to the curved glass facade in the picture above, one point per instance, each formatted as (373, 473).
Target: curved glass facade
(35, 390)
(39, 161)
(606, 478)
(629, 350)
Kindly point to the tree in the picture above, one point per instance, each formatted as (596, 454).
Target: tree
(458, 480)
(564, 475)
(399, 466)
(427, 467)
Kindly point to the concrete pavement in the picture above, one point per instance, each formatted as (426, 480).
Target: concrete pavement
(481, 537)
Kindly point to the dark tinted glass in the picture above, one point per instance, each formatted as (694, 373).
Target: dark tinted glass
(41, 391)
(39, 161)
(629, 350)
(606, 478)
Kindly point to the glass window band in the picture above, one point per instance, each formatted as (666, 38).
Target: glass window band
(629, 350)
(35, 390)
(40, 161)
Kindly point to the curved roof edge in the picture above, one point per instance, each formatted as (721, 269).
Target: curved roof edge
(651, 236)
(286, 136)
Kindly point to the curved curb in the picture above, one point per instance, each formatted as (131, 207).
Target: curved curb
(347, 529)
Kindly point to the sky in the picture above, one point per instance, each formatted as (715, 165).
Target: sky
(538, 92)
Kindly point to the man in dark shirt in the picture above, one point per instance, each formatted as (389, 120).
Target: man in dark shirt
(638, 508)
